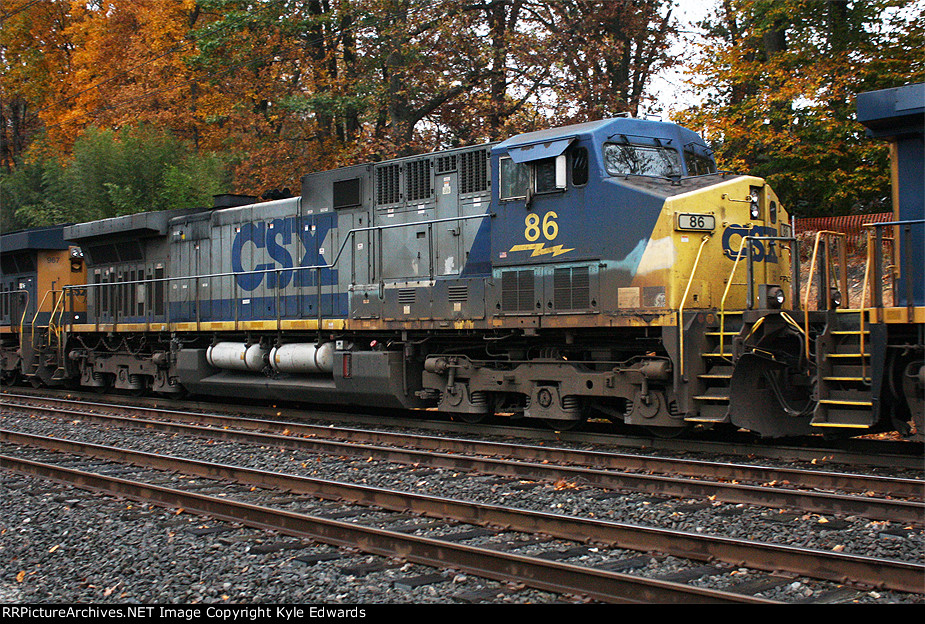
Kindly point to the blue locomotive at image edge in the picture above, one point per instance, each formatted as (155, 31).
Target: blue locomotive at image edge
(599, 270)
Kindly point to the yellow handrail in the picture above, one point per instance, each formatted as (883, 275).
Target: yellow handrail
(809, 280)
(864, 289)
(690, 281)
(38, 310)
(722, 304)
(52, 326)
(870, 260)
(57, 310)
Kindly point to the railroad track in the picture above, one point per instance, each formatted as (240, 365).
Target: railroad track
(857, 452)
(831, 566)
(490, 562)
(882, 498)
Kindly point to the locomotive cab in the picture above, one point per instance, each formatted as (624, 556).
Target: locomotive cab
(620, 236)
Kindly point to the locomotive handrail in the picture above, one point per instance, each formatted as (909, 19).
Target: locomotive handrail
(906, 258)
(812, 269)
(56, 327)
(348, 236)
(38, 310)
(870, 260)
(722, 303)
(875, 259)
(52, 327)
(690, 281)
(749, 295)
(22, 319)
(57, 309)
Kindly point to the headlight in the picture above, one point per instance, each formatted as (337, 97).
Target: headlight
(835, 298)
(753, 207)
(776, 298)
(771, 296)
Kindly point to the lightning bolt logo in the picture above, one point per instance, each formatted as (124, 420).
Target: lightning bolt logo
(540, 249)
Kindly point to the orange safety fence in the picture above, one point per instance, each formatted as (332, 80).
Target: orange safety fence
(850, 225)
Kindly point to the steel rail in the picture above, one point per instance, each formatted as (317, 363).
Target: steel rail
(867, 484)
(538, 573)
(837, 567)
(912, 512)
(860, 451)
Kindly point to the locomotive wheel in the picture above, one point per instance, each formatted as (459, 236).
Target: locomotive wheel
(103, 389)
(10, 377)
(564, 425)
(473, 419)
(667, 433)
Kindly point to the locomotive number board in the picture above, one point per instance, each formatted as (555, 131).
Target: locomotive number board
(695, 222)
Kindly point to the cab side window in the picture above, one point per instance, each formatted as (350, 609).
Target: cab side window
(544, 172)
(515, 179)
(543, 175)
(698, 164)
(579, 160)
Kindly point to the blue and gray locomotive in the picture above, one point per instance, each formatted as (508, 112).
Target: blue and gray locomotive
(605, 269)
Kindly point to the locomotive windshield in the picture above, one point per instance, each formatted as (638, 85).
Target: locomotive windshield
(646, 160)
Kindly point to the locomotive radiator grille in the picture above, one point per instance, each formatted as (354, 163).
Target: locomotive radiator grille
(517, 291)
(458, 294)
(572, 288)
(417, 180)
(406, 296)
(473, 171)
(387, 185)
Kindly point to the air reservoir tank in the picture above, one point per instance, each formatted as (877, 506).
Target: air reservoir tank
(303, 357)
(237, 356)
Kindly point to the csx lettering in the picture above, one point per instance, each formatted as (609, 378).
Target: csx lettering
(762, 251)
(278, 238)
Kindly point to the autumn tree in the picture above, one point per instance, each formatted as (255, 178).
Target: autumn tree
(283, 87)
(605, 52)
(779, 81)
(558, 61)
(125, 65)
(36, 52)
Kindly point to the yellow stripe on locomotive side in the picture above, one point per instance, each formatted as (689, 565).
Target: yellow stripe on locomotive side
(904, 315)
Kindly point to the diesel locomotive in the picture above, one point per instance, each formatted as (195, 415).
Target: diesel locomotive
(605, 270)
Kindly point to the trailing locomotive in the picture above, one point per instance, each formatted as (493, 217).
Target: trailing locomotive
(602, 269)
(35, 264)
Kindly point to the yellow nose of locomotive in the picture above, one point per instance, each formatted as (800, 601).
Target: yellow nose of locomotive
(712, 234)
